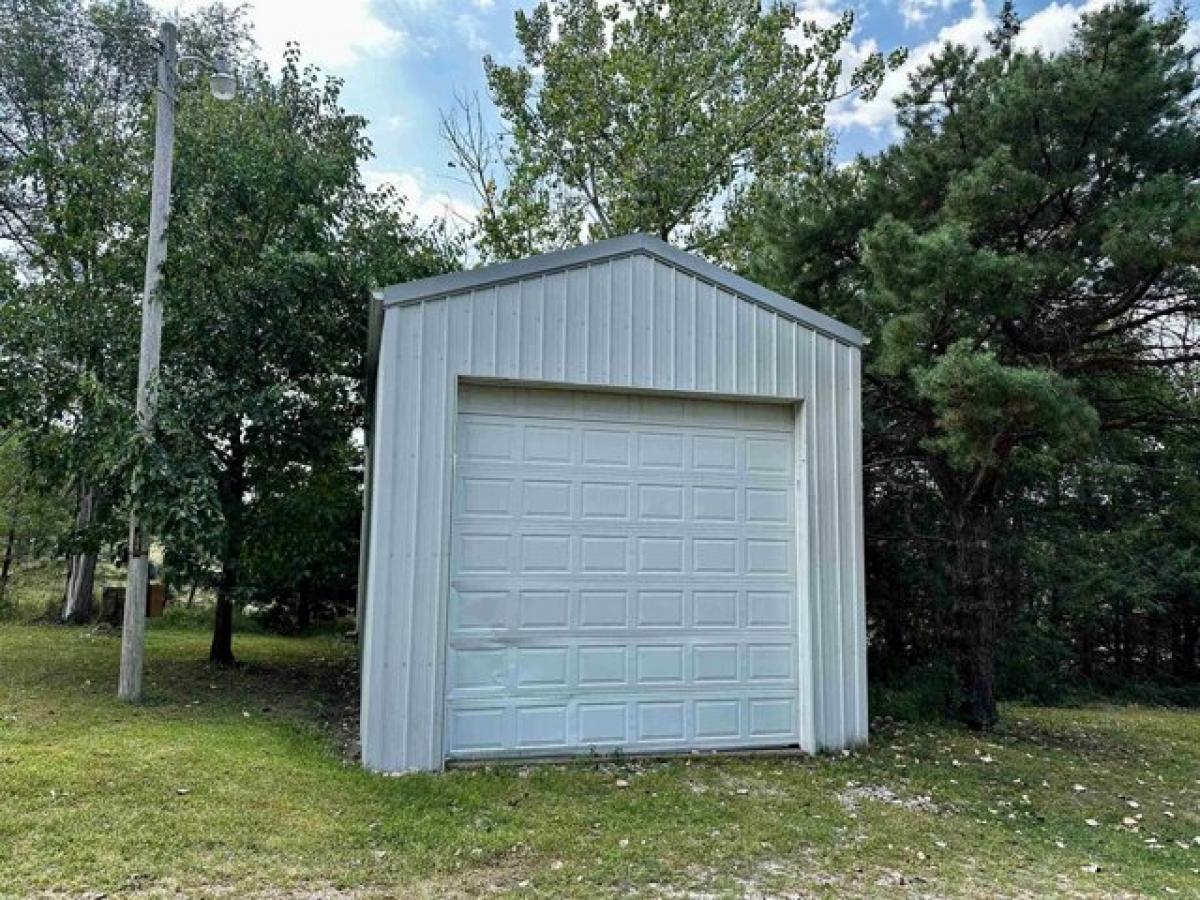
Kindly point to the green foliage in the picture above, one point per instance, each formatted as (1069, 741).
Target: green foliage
(981, 406)
(927, 692)
(31, 517)
(301, 555)
(1024, 261)
(645, 116)
(76, 85)
(275, 247)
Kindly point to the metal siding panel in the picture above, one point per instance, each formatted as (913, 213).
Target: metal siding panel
(837, 462)
(764, 354)
(483, 331)
(685, 332)
(461, 339)
(706, 337)
(643, 322)
(727, 334)
(812, 405)
(374, 691)
(804, 369)
(532, 327)
(554, 328)
(621, 326)
(577, 325)
(385, 702)
(825, 534)
(603, 251)
(857, 562)
(806, 617)
(508, 330)
(402, 713)
(664, 317)
(745, 347)
(785, 355)
(599, 323)
(428, 518)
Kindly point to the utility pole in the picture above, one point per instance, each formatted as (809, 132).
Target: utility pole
(133, 634)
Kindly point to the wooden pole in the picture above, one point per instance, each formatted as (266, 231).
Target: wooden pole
(133, 633)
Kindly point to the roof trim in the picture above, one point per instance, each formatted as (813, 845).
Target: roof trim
(615, 248)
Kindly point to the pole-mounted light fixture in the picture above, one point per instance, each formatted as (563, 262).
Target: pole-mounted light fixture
(222, 83)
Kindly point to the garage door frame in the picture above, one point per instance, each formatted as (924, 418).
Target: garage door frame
(803, 622)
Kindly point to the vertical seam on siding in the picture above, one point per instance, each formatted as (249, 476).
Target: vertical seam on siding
(755, 387)
(412, 538)
(519, 290)
(608, 336)
(814, 574)
(838, 549)
(630, 378)
(671, 338)
(541, 333)
(442, 592)
(695, 334)
(587, 323)
(712, 293)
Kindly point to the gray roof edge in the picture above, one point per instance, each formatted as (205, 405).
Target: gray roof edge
(499, 273)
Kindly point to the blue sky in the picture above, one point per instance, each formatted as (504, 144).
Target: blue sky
(404, 60)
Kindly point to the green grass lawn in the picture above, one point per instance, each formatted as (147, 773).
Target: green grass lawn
(235, 783)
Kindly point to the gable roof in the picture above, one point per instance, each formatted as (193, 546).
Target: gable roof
(614, 248)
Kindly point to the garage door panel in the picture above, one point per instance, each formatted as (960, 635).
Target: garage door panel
(622, 574)
(581, 551)
(635, 607)
(566, 662)
(567, 724)
(494, 494)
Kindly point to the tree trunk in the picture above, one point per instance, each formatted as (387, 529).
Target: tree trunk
(975, 615)
(221, 650)
(232, 490)
(9, 543)
(81, 567)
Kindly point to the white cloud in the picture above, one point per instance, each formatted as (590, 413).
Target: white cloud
(428, 205)
(334, 35)
(1050, 28)
(879, 112)
(915, 12)
(471, 30)
(395, 122)
(821, 13)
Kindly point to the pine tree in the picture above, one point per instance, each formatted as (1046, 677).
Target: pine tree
(1024, 259)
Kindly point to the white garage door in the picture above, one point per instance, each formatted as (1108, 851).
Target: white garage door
(623, 574)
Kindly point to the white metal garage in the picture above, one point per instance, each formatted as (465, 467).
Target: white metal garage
(614, 503)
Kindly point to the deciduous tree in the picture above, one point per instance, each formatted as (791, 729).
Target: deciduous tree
(643, 115)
